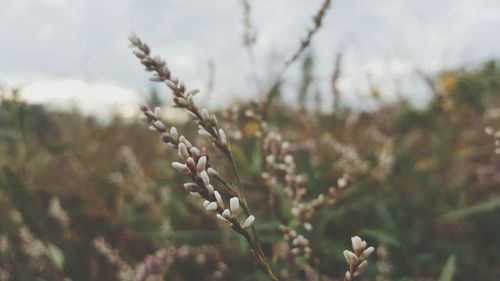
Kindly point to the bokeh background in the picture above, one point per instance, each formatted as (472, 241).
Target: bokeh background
(394, 94)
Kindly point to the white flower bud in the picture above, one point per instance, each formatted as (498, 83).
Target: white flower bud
(223, 138)
(367, 252)
(205, 203)
(357, 243)
(205, 178)
(248, 222)
(226, 213)
(174, 133)
(180, 167)
(204, 133)
(193, 92)
(192, 115)
(342, 182)
(204, 114)
(159, 125)
(350, 257)
(221, 218)
(218, 197)
(234, 204)
(348, 276)
(212, 206)
(183, 152)
(186, 142)
(212, 172)
(307, 226)
(210, 189)
(195, 194)
(195, 151)
(202, 162)
(362, 265)
(171, 85)
(157, 112)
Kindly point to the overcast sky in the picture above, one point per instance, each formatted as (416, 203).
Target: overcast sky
(77, 49)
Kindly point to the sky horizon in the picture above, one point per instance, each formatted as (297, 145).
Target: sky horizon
(78, 50)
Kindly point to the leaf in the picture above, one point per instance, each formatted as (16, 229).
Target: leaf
(381, 236)
(448, 269)
(471, 210)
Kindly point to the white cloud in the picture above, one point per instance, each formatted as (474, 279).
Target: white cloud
(386, 40)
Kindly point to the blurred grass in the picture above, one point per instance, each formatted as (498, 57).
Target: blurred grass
(434, 205)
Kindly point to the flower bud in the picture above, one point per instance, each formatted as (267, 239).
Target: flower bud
(234, 204)
(248, 222)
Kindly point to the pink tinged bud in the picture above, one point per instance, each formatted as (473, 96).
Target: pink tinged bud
(205, 203)
(234, 204)
(174, 133)
(226, 213)
(159, 125)
(350, 257)
(186, 142)
(204, 114)
(348, 276)
(212, 206)
(357, 243)
(202, 163)
(204, 133)
(180, 167)
(192, 187)
(190, 163)
(223, 138)
(212, 172)
(248, 222)
(218, 197)
(205, 178)
(157, 112)
(210, 189)
(183, 152)
(367, 252)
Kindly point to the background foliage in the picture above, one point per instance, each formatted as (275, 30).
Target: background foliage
(424, 188)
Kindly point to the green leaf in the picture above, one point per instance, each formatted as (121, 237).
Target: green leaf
(448, 269)
(381, 236)
(471, 210)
